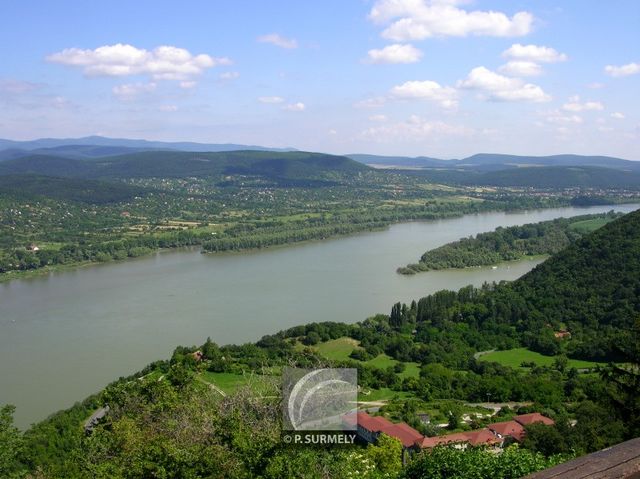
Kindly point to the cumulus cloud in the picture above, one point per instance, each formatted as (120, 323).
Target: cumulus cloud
(396, 53)
(622, 71)
(521, 68)
(574, 104)
(414, 128)
(494, 86)
(427, 90)
(298, 106)
(168, 108)
(271, 99)
(379, 118)
(420, 19)
(187, 84)
(161, 63)
(279, 41)
(534, 53)
(617, 115)
(129, 91)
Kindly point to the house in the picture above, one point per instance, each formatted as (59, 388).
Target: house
(507, 430)
(534, 417)
(461, 440)
(369, 429)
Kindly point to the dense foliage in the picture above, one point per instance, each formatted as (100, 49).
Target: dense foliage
(505, 244)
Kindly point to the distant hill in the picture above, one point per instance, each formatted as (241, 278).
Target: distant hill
(80, 152)
(68, 189)
(47, 143)
(560, 177)
(493, 161)
(179, 164)
(418, 161)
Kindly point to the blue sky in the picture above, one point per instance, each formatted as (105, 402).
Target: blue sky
(444, 78)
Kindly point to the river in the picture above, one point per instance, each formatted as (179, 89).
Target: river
(66, 335)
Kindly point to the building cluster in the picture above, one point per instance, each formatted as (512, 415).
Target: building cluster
(496, 435)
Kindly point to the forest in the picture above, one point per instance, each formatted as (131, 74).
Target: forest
(168, 421)
(508, 244)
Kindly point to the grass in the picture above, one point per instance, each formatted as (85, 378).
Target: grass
(337, 349)
(230, 382)
(383, 394)
(514, 357)
(587, 226)
(340, 349)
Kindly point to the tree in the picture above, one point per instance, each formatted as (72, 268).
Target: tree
(386, 454)
(11, 444)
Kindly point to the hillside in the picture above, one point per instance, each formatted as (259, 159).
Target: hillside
(31, 187)
(494, 161)
(560, 177)
(594, 283)
(179, 164)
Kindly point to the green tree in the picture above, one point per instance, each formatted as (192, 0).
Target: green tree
(11, 445)
(386, 455)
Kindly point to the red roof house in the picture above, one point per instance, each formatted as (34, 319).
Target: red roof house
(534, 417)
(507, 428)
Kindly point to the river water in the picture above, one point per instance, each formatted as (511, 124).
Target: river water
(66, 335)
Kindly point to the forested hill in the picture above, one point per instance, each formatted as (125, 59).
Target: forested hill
(493, 161)
(560, 177)
(180, 164)
(593, 283)
(512, 243)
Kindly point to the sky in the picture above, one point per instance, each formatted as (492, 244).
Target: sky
(439, 78)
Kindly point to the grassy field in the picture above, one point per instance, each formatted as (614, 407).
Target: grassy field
(337, 349)
(514, 357)
(340, 349)
(587, 226)
(230, 382)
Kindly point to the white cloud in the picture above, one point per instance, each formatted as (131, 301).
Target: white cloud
(605, 129)
(271, 99)
(374, 102)
(622, 71)
(379, 118)
(332, 132)
(494, 86)
(420, 19)
(521, 68)
(18, 86)
(161, 63)
(228, 76)
(129, 91)
(557, 117)
(574, 104)
(278, 40)
(395, 53)
(168, 108)
(617, 115)
(595, 85)
(299, 106)
(414, 128)
(534, 53)
(187, 84)
(427, 90)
